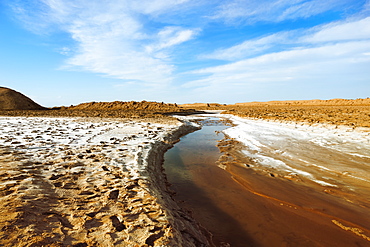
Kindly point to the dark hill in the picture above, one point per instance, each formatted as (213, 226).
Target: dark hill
(13, 100)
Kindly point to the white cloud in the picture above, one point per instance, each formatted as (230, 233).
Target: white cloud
(331, 54)
(276, 10)
(111, 37)
(281, 74)
(155, 6)
(171, 36)
(328, 63)
(168, 37)
(249, 47)
(341, 31)
(294, 58)
(335, 32)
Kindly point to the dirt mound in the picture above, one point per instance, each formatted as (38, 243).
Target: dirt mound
(13, 100)
(117, 109)
(131, 105)
(333, 102)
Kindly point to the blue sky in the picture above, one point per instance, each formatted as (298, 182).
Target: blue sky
(63, 52)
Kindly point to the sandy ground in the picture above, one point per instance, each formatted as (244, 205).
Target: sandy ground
(81, 182)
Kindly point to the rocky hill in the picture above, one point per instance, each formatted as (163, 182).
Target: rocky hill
(13, 100)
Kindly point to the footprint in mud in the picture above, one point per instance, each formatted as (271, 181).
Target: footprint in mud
(55, 177)
(7, 190)
(19, 177)
(117, 223)
(92, 214)
(70, 185)
(131, 217)
(58, 184)
(80, 245)
(93, 223)
(113, 195)
(150, 241)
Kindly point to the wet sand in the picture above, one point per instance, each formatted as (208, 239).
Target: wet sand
(243, 206)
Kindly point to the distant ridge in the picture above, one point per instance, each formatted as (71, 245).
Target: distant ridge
(330, 102)
(13, 100)
(121, 105)
(201, 105)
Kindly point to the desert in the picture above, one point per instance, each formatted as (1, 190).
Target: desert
(291, 173)
(184, 123)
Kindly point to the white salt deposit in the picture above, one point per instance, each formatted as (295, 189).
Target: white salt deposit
(305, 150)
(124, 143)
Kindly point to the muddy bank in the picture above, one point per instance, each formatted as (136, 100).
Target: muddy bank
(188, 231)
(283, 186)
(306, 185)
(278, 211)
(73, 182)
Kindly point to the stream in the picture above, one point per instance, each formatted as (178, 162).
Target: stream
(249, 203)
(198, 182)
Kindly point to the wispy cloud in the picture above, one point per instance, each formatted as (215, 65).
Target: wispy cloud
(276, 75)
(249, 47)
(274, 11)
(329, 53)
(169, 37)
(340, 31)
(111, 37)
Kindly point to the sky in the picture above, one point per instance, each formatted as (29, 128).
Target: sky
(66, 52)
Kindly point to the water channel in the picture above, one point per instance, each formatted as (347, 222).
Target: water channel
(243, 207)
(201, 185)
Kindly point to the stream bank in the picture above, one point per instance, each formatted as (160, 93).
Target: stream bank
(248, 203)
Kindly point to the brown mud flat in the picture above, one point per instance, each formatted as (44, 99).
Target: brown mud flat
(354, 113)
(275, 211)
(354, 116)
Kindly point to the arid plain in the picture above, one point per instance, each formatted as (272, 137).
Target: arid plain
(92, 175)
